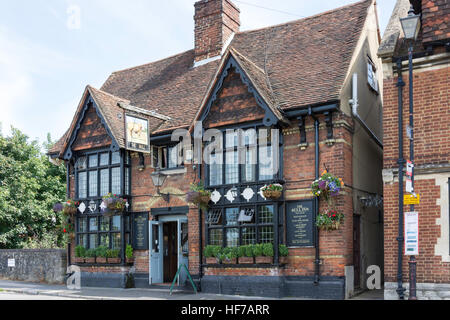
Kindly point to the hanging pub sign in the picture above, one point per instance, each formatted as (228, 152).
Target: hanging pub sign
(300, 223)
(137, 134)
(411, 233)
(140, 231)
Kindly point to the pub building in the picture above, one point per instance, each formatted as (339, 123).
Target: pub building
(314, 83)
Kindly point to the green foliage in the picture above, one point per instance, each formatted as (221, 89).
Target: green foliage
(29, 186)
(258, 250)
(129, 251)
(283, 250)
(212, 251)
(112, 253)
(101, 251)
(90, 253)
(80, 251)
(267, 250)
(249, 251)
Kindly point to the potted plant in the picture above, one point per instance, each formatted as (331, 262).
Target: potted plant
(283, 252)
(112, 256)
(264, 253)
(198, 195)
(80, 252)
(114, 204)
(129, 254)
(100, 253)
(212, 254)
(272, 191)
(329, 220)
(90, 256)
(246, 254)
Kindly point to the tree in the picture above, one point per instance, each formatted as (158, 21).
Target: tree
(29, 186)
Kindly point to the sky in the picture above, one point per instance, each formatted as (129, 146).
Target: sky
(51, 49)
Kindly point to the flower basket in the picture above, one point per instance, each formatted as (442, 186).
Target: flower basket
(330, 220)
(198, 196)
(70, 211)
(272, 191)
(246, 260)
(114, 205)
(327, 186)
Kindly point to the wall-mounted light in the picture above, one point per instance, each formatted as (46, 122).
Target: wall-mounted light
(158, 179)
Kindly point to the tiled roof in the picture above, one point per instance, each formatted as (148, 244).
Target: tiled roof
(293, 65)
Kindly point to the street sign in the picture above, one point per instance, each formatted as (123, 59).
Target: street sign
(411, 233)
(411, 199)
(11, 263)
(409, 168)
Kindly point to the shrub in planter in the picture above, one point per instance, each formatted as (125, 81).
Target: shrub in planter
(229, 255)
(212, 254)
(80, 253)
(284, 252)
(101, 254)
(264, 253)
(246, 254)
(90, 256)
(112, 256)
(129, 254)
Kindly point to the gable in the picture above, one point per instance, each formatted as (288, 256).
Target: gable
(92, 133)
(234, 103)
(89, 129)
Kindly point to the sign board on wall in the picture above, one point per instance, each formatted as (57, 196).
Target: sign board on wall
(140, 231)
(411, 233)
(11, 263)
(137, 134)
(300, 223)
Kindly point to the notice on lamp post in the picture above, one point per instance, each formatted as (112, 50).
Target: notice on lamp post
(411, 233)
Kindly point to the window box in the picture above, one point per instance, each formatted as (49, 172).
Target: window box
(212, 260)
(246, 260)
(283, 260)
(101, 260)
(89, 260)
(79, 260)
(264, 260)
(113, 260)
(129, 260)
(229, 261)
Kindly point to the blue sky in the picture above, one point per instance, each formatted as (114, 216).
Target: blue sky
(51, 49)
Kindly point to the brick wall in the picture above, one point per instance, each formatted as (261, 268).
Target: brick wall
(432, 149)
(435, 20)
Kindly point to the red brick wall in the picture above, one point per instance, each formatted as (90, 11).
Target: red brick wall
(431, 147)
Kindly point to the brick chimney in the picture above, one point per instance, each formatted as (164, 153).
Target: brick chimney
(215, 22)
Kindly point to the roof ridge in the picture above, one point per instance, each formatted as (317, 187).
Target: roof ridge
(247, 59)
(305, 18)
(148, 63)
(107, 93)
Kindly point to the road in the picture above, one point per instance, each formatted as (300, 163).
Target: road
(20, 296)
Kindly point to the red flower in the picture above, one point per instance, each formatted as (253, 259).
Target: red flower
(64, 230)
(334, 215)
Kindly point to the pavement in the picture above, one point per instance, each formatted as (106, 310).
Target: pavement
(16, 288)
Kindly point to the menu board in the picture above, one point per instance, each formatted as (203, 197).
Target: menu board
(300, 223)
(140, 231)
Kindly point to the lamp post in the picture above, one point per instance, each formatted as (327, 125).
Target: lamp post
(158, 179)
(411, 27)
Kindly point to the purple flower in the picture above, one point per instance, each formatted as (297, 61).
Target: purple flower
(57, 207)
(322, 184)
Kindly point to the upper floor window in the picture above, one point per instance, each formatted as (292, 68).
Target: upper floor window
(372, 75)
(167, 157)
(99, 173)
(251, 160)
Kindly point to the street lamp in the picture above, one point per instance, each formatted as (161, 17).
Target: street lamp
(158, 179)
(411, 27)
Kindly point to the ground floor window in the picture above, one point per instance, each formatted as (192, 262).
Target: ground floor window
(241, 225)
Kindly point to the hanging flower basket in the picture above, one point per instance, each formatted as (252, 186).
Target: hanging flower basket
(272, 191)
(114, 204)
(327, 186)
(199, 196)
(69, 208)
(330, 220)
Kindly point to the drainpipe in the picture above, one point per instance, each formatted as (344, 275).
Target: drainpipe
(316, 200)
(401, 162)
(69, 246)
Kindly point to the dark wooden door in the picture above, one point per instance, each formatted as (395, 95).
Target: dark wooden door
(357, 250)
(170, 250)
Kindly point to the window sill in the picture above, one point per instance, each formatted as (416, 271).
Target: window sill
(174, 171)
